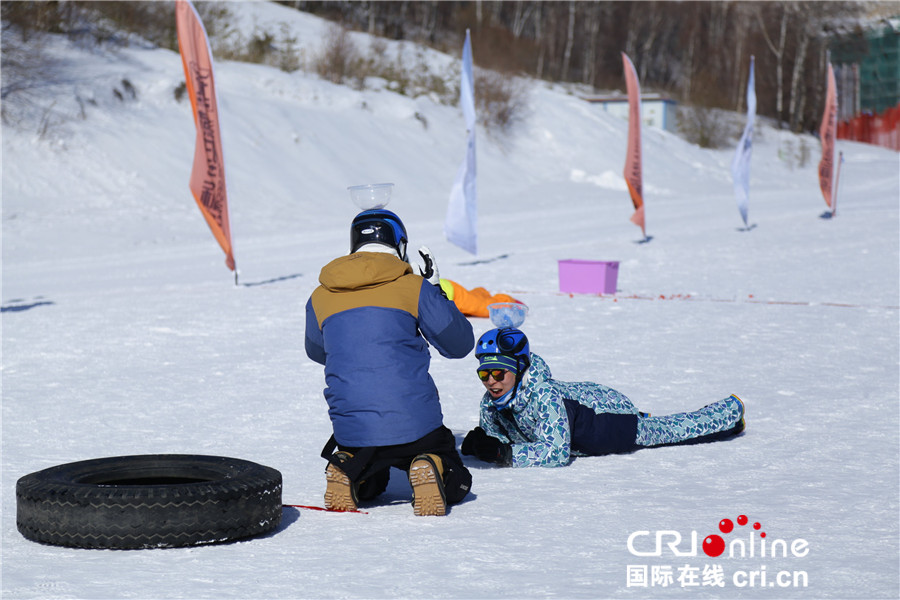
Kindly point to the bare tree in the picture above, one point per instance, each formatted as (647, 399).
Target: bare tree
(592, 29)
(655, 22)
(778, 51)
(523, 13)
(739, 35)
(370, 9)
(799, 66)
(570, 41)
(539, 35)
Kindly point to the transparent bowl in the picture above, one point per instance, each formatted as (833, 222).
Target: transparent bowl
(507, 314)
(371, 195)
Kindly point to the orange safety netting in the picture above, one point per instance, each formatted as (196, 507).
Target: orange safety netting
(881, 130)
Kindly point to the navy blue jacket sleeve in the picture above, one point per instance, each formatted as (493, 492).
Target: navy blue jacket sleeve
(442, 324)
(315, 343)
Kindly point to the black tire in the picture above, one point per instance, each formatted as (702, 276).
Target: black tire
(148, 501)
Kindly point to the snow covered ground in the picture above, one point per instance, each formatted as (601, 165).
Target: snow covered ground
(124, 333)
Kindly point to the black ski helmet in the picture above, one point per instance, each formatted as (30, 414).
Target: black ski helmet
(378, 226)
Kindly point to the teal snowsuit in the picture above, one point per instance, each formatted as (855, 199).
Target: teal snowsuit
(540, 428)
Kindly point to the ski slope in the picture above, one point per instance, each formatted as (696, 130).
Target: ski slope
(124, 333)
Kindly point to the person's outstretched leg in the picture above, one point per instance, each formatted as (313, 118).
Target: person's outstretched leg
(600, 398)
(713, 422)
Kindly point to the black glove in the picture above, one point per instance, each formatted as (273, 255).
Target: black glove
(489, 449)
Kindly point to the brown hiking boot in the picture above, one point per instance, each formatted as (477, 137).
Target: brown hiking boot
(427, 481)
(340, 494)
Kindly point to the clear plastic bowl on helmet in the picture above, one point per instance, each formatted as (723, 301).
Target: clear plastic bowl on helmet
(371, 196)
(507, 314)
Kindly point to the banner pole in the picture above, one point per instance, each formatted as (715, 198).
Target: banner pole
(837, 182)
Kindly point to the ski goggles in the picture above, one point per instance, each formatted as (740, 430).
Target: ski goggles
(497, 374)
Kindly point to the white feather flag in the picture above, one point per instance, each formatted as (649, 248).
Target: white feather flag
(740, 164)
(460, 226)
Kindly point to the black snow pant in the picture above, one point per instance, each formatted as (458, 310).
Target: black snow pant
(370, 466)
(597, 434)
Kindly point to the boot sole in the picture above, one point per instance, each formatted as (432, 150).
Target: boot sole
(428, 499)
(338, 495)
(741, 424)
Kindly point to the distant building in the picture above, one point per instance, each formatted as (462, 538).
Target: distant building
(656, 111)
(867, 68)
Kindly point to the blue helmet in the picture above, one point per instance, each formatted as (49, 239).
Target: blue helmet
(378, 226)
(506, 341)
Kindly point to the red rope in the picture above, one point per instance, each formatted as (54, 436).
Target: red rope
(323, 508)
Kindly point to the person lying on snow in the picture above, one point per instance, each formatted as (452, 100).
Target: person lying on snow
(474, 302)
(529, 419)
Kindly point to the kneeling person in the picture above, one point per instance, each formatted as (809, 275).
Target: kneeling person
(370, 323)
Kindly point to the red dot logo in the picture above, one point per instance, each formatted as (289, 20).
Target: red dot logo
(725, 525)
(713, 545)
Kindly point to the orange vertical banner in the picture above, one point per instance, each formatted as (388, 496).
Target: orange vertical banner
(207, 181)
(827, 135)
(633, 175)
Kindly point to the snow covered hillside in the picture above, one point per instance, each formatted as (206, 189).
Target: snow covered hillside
(124, 333)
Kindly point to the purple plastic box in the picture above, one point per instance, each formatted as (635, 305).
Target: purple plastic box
(588, 276)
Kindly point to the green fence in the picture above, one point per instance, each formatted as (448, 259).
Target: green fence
(876, 54)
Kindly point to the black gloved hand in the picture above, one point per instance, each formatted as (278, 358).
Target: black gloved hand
(489, 449)
(468, 445)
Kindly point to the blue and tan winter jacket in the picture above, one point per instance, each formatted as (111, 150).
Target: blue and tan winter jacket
(537, 424)
(368, 323)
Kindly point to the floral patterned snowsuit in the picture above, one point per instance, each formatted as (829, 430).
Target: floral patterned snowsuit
(537, 423)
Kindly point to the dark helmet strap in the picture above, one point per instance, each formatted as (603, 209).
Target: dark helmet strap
(521, 365)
